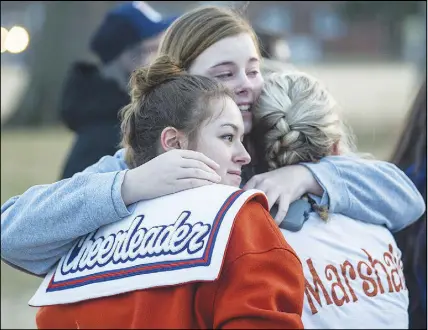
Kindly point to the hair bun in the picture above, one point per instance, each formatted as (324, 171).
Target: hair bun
(144, 79)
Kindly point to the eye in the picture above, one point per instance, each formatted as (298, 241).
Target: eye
(224, 75)
(253, 73)
(227, 137)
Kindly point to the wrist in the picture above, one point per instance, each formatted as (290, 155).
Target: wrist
(310, 184)
(128, 191)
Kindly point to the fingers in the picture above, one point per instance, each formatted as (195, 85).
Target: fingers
(272, 197)
(190, 154)
(194, 163)
(283, 205)
(197, 173)
(252, 183)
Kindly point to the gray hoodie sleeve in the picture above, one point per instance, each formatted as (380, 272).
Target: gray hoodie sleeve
(41, 225)
(372, 191)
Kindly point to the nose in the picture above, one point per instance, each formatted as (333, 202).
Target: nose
(242, 157)
(244, 86)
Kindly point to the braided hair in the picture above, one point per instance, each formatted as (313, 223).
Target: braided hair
(300, 122)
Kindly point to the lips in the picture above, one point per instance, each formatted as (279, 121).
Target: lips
(235, 178)
(244, 107)
(235, 172)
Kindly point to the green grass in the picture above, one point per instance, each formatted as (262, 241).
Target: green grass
(30, 157)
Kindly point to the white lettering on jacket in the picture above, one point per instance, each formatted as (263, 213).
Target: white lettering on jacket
(136, 242)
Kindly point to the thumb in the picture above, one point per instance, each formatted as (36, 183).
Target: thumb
(251, 184)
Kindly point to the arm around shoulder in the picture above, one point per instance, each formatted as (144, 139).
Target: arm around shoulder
(41, 225)
(372, 191)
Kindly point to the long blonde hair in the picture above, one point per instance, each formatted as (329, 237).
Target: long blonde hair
(299, 120)
(194, 32)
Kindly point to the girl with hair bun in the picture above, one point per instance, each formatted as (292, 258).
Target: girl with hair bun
(247, 277)
(354, 266)
(43, 224)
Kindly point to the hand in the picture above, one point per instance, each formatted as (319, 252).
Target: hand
(284, 186)
(168, 173)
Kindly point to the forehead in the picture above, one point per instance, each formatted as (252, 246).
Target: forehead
(225, 111)
(237, 49)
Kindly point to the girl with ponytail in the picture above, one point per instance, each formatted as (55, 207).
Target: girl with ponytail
(300, 122)
(172, 110)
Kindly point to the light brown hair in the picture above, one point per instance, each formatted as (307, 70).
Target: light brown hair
(299, 120)
(163, 95)
(194, 32)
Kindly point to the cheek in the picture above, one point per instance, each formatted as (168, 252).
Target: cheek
(217, 151)
(258, 86)
(230, 84)
(219, 154)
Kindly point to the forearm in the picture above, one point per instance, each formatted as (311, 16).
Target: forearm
(41, 225)
(377, 192)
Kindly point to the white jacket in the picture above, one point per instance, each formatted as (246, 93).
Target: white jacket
(353, 272)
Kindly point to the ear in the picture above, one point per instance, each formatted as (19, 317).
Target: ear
(171, 138)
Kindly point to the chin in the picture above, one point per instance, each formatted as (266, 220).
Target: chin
(227, 183)
(232, 182)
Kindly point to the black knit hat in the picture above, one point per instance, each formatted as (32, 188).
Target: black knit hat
(125, 26)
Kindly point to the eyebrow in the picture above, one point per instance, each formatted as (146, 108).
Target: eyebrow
(235, 128)
(252, 59)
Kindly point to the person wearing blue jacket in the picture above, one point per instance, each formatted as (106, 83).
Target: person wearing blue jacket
(93, 93)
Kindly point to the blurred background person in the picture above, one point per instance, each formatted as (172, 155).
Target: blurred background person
(411, 156)
(92, 96)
